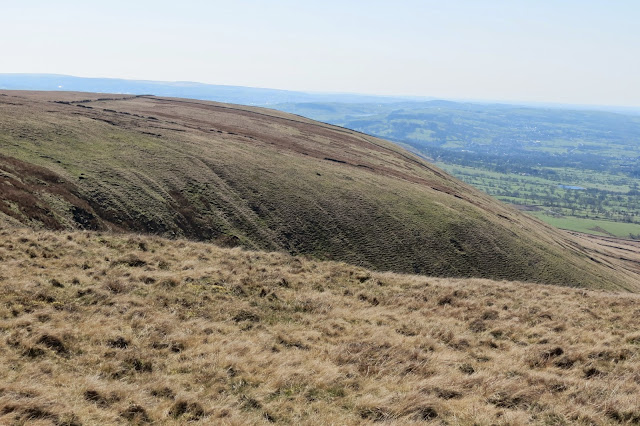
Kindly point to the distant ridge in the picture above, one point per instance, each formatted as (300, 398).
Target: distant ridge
(256, 96)
(182, 89)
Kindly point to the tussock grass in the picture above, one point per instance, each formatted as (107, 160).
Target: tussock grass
(107, 329)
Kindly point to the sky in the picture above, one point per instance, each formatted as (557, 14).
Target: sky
(558, 51)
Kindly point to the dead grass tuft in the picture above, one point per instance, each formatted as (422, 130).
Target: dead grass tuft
(135, 414)
(188, 411)
(54, 343)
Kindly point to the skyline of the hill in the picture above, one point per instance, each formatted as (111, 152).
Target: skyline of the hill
(251, 95)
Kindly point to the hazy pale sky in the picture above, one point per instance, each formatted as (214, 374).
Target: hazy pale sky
(567, 51)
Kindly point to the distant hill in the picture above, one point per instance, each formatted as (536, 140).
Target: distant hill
(256, 96)
(182, 89)
(268, 180)
(483, 130)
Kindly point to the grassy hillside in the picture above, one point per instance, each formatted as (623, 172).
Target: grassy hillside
(264, 180)
(98, 328)
(521, 155)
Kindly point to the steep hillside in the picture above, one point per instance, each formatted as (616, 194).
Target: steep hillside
(264, 180)
(97, 328)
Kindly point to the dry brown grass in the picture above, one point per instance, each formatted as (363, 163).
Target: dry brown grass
(108, 329)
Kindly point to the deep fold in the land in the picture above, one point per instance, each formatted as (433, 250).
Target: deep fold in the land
(262, 179)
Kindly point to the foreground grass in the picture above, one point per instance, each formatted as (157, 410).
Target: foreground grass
(104, 329)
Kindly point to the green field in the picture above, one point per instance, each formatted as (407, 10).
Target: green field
(609, 201)
(591, 226)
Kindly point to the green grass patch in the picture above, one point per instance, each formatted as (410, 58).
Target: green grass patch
(591, 226)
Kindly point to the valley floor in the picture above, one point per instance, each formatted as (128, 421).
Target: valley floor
(105, 329)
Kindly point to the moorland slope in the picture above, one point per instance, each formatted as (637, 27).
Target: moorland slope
(263, 179)
(101, 328)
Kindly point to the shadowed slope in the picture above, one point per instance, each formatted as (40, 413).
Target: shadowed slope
(268, 180)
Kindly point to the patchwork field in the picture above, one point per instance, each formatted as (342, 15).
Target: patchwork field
(607, 206)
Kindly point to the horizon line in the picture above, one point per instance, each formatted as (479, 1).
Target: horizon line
(415, 98)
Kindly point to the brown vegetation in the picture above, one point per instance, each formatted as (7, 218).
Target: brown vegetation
(105, 329)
